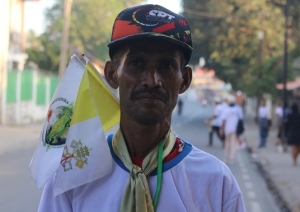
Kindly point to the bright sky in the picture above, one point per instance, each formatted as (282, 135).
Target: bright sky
(34, 11)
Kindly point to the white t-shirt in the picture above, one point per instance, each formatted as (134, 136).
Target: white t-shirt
(263, 112)
(217, 121)
(193, 181)
(231, 116)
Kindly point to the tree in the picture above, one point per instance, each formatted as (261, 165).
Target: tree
(90, 30)
(226, 32)
(43, 52)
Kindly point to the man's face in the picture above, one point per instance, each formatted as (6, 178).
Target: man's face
(150, 77)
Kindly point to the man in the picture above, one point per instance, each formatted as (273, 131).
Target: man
(154, 170)
(216, 121)
(230, 118)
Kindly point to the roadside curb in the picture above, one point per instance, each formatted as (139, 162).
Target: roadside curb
(279, 199)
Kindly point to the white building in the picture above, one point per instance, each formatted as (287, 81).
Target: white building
(16, 51)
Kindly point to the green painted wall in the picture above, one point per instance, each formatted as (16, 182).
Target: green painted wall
(27, 86)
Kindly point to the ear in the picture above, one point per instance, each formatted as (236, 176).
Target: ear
(187, 79)
(110, 72)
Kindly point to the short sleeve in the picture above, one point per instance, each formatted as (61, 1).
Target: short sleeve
(236, 204)
(232, 195)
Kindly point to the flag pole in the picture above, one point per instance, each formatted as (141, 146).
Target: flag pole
(65, 38)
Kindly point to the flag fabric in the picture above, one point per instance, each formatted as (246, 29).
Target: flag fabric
(47, 156)
(72, 142)
(86, 156)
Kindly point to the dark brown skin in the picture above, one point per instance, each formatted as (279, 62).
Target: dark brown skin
(150, 75)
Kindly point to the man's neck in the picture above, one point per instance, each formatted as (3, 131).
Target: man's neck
(141, 139)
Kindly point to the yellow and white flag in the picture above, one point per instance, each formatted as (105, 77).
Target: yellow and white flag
(86, 156)
(72, 142)
(47, 156)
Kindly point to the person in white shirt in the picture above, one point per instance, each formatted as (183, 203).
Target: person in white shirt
(216, 121)
(153, 169)
(230, 118)
(263, 112)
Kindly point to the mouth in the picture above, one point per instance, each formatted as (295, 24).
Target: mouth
(150, 98)
(148, 95)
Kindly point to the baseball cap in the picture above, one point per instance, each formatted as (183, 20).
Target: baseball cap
(153, 22)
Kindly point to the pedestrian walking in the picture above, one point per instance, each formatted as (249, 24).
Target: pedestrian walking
(153, 169)
(279, 124)
(263, 112)
(286, 112)
(293, 132)
(240, 128)
(230, 118)
(216, 122)
(179, 105)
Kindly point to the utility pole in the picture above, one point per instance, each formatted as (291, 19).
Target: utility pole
(23, 35)
(65, 38)
(4, 45)
(260, 36)
(284, 70)
(285, 57)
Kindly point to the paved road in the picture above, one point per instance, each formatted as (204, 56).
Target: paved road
(19, 193)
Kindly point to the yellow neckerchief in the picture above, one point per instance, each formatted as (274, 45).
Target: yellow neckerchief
(137, 196)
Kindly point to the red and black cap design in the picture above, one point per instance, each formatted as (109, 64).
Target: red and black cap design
(151, 21)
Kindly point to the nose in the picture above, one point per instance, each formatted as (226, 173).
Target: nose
(151, 77)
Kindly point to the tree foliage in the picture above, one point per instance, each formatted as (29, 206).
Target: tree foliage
(43, 52)
(90, 30)
(225, 34)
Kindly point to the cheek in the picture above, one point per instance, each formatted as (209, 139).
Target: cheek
(176, 84)
(125, 90)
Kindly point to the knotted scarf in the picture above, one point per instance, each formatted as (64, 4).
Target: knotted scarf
(137, 196)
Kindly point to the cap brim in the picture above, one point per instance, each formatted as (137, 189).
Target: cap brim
(186, 48)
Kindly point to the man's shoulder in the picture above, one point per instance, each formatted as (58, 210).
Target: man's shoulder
(200, 161)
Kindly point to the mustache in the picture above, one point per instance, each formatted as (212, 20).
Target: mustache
(135, 94)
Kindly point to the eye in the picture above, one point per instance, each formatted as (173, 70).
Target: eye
(136, 62)
(168, 65)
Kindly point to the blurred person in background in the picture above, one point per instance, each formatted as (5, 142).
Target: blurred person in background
(293, 132)
(153, 169)
(230, 118)
(240, 127)
(179, 105)
(263, 112)
(216, 122)
(279, 124)
(286, 112)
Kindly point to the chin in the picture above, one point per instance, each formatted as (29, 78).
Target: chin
(148, 118)
(148, 122)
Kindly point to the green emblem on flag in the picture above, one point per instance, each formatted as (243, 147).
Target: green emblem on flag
(59, 119)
